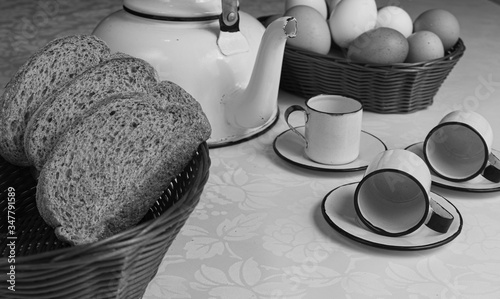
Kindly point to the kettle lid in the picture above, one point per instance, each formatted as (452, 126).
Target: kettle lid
(175, 8)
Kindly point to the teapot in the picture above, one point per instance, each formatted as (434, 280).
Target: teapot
(222, 56)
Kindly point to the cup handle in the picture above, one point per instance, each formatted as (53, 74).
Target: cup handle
(440, 219)
(289, 111)
(492, 171)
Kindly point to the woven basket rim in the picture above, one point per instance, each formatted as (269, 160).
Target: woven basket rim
(69, 254)
(382, 88)
(455, 53)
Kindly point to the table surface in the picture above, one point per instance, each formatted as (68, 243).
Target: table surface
(258, 231)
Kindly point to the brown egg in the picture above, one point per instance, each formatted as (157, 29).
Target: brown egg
(270, 19)
(442, 22)
(313, 33)
(424, 46)
(379, 46)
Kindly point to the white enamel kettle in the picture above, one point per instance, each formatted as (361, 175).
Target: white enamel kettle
(223, 57)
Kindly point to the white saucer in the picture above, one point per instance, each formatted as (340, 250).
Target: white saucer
(290, 147)
(338, 210)
(477, 184)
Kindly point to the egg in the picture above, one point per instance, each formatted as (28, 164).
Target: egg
(313, 33)
(350, 19)
(319, 5)
(442, 22)
(268, 20)
(332, 4)
(396, 18)
(379, 46)
(423, 46)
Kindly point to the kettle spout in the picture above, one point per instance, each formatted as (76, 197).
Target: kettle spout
(258, 103)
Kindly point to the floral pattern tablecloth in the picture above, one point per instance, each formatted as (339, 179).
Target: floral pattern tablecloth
(258, 231)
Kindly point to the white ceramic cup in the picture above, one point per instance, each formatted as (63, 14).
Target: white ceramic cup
(332, 128)
(459, 148)
(394, 198)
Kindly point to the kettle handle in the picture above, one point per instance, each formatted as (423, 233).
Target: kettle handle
(230, 19)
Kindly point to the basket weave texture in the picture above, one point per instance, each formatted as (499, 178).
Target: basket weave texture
(118, 267)
(397, 88)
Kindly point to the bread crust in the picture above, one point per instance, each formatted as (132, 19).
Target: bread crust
(44, 72)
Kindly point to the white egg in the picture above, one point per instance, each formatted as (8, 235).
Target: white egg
(352, 18)
(319, 5)
(396, 18)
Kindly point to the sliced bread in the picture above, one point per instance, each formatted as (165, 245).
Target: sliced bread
(170, 92)
(108, 169)
(112, 77)
(44, 72)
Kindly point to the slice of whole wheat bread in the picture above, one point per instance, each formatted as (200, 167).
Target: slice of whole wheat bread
(170, 92)
(112, 77)
(44, 72)
(108, 169)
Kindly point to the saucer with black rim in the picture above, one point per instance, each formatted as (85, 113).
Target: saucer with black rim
(338, 210)
(290, 147)
(477, 184)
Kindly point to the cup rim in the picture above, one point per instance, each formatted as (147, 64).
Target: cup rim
(383, 231)
(439, 174)
(334, 95)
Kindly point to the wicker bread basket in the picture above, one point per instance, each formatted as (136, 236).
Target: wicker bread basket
(397, 88)
(118, 267)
